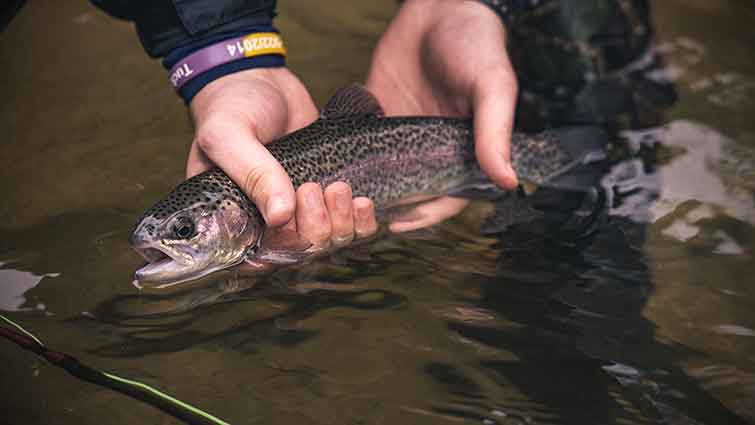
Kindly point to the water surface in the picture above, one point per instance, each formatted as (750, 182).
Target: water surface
(651, 322)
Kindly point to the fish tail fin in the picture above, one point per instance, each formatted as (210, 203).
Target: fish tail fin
(570, 216)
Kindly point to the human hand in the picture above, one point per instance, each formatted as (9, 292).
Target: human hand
(448, 57)
(234, 117)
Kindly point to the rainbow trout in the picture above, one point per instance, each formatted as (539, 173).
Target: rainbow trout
(207, 224)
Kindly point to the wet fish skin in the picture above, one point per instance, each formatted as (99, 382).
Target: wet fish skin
(387, 159)
(384, 159)
(207, 223)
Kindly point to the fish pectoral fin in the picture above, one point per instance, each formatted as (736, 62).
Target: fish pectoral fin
(282, 246)
(270, 256)
(352, 100)
(283, 239)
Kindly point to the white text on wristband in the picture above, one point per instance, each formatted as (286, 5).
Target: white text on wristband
(256, 44)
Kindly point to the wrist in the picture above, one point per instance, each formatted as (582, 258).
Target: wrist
(195, 65)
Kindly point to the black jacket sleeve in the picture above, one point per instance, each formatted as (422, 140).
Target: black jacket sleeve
(506, 9)
(164, 25)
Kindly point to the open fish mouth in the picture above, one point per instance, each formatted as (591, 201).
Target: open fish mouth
(163, 264)
(157, 260)
(153, 255)
(168, 265)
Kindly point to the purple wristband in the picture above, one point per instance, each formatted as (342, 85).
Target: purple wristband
(201, 61)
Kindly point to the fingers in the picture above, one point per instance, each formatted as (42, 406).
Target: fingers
(312, 218)
(234, 116)
(450, 78)
(235, 149)
(365, 223)
(494, 102)
(339, 203)
(330, 217)
(428, 214)
(197, 162)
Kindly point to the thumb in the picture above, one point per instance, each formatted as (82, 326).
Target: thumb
(494, 99)
(235, 148)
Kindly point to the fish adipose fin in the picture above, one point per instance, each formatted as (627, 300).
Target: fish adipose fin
(352, 100)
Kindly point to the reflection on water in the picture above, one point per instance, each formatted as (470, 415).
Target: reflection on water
(703, 166)
(647, 320)
(14, 285)
(160, 323)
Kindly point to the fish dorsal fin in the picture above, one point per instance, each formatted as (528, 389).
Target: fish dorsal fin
(351, 100)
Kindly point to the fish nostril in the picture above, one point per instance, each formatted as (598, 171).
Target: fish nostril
(136, 239)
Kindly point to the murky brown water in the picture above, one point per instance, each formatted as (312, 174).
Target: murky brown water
(652, 322)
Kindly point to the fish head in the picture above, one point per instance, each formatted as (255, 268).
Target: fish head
(204, 225)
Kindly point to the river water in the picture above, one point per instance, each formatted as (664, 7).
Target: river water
(650, 322)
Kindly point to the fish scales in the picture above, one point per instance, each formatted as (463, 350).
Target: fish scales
(208, 224)
(384, 159)
(387, 159)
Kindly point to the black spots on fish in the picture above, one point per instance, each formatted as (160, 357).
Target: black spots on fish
(384, 159)
(381, 158)
(186, 194)
(537, 157)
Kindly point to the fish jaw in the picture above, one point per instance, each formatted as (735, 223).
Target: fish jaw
(221, 240)
(168, 265)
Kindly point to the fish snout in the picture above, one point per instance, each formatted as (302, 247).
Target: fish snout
(143, 235)
(137, 239)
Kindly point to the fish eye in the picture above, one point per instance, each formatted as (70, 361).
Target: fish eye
(183, 228)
